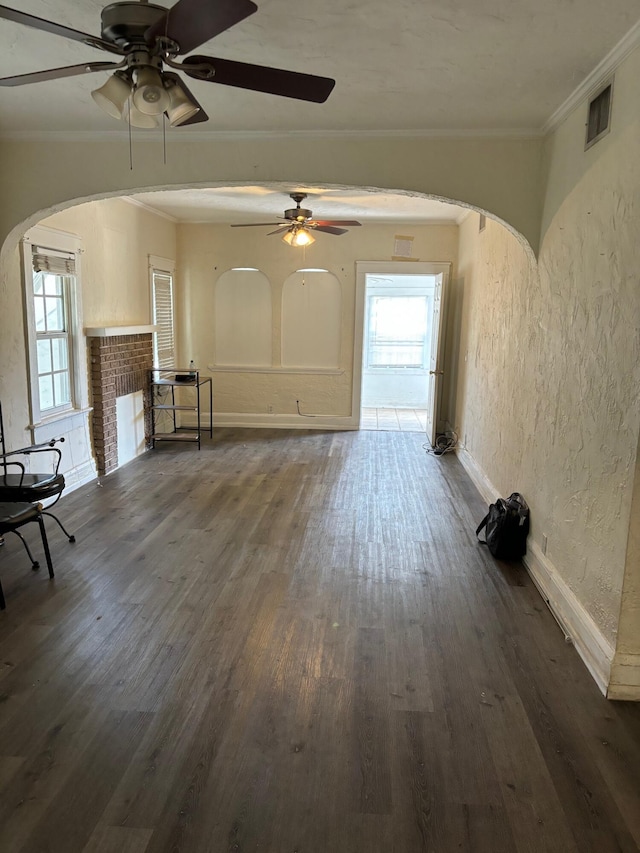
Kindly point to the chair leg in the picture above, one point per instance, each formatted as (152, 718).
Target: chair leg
(69, 536)
(45, 545)
(35, 565)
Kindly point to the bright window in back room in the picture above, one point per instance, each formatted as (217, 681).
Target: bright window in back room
(397, 332)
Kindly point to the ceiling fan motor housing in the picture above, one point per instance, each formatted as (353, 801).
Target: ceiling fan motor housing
(298, 214)
(125, 24)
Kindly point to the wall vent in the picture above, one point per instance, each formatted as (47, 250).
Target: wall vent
(599, 114)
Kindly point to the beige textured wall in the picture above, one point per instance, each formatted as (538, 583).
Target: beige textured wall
(502, 176)
(117, 238)
(207, 251)
(629, 628)
(550, 357)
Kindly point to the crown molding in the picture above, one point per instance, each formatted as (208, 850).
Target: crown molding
(234, 136)
(148, 208)
(603, 69)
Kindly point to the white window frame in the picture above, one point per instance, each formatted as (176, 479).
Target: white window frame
(164, 267)
(56, 242)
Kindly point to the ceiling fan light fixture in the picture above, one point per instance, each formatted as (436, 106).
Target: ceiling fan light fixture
(135, 118)
(150, 96)
(298, 236)
(113, 95)
(181, 107)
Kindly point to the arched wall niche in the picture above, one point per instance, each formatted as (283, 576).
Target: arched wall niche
(243, 317)
(311, 320)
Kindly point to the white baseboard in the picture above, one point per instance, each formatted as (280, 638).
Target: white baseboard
(480, 480)
(625, 678)
(292, 421)
(578, 626)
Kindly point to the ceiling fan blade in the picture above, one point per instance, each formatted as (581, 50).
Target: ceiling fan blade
(260, 78)
(191, 23)
(56, 73)
(200, 116)
(57, 29)
(329, 229)
(277, 231)
(350, 222)
(258, 224)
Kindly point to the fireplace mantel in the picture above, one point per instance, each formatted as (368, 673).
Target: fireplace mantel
(116, 331)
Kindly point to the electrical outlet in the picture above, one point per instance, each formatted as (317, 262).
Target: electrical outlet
(270, 409)
(544, 543)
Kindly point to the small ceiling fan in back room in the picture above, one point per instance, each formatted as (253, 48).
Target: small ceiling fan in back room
(299, 224)
(147, 39)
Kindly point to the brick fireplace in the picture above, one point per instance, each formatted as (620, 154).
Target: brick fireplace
(121, 358)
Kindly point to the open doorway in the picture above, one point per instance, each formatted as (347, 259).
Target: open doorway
(400, 359)
(396, 348)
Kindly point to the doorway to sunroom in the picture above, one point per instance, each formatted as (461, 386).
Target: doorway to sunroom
(397, 346)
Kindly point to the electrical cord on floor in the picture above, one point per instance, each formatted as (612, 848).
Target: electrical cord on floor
(445, 443)
(302, 414)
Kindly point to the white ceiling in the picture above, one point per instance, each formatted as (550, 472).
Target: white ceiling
(422, 65)
(266, 204)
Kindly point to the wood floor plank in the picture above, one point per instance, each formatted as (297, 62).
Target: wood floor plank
(118, 839)
(372, 778)
(291, 641)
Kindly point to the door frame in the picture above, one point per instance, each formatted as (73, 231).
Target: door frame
(364, 268)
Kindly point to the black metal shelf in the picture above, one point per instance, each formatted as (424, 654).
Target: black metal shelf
(166, 378)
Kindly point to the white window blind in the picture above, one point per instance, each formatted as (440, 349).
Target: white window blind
(57, 263)
(164, 342)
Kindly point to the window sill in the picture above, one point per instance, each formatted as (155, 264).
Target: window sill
(321, 371)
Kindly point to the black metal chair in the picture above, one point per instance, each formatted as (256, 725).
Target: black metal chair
(14, 515)
(22, 486)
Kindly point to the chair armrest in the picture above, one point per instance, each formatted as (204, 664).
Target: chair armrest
(43, 447)
(4, 465)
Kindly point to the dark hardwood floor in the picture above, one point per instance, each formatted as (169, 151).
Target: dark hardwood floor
(290, 642)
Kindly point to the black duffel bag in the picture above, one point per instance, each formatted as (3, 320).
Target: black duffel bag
(507, 524)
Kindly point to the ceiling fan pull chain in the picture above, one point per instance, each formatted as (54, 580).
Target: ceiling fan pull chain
(130, 135)
(164, 138)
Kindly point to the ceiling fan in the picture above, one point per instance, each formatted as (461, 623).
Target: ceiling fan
(146, 38)
(299, 224)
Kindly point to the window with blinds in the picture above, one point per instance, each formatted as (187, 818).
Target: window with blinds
(164, 350)
(53, 273)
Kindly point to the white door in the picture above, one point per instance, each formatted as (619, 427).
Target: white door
(436, 360)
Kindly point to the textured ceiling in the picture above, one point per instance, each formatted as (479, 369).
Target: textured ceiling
(266, 204)
(419, 65)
